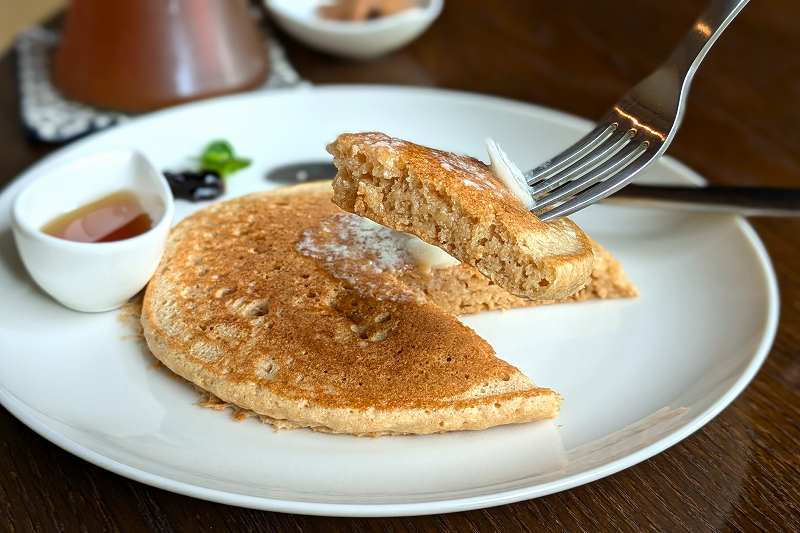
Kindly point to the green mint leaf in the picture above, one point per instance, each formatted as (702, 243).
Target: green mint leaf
(217, 152)
(219, 156)
(233, 165)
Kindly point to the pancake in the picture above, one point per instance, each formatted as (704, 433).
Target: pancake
(456, 203)
(236, 308)
(462, 290)
(287, 308)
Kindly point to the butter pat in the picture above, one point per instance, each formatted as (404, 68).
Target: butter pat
(506, 171)
(427, 256)
(424, 256)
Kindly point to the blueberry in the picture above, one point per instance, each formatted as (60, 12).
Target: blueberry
(195, 186)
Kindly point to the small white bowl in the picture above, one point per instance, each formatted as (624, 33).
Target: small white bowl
(83, 276)
(358, 40)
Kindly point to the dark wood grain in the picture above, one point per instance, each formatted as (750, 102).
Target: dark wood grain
(740, 472)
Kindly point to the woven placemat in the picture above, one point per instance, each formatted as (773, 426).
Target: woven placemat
(49, 117)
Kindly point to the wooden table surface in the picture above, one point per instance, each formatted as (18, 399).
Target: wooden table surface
(740, 472)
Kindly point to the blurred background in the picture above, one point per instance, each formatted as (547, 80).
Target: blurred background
(16, 16)
(574, 56)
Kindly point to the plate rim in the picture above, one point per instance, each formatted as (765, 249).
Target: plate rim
(28, 416)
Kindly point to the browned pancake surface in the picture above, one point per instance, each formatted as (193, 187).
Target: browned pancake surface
(235, 308)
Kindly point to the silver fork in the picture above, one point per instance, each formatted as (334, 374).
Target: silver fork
(633, 133)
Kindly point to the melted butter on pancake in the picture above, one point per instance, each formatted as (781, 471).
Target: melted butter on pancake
(371, 258)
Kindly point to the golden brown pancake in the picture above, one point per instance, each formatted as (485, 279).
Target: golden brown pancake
(239, 310)
(462, 290)
(456, 203)
(256, 305)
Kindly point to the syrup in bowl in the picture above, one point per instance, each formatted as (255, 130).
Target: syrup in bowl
(114, 217)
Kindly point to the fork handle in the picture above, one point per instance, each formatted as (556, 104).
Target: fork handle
(689, 53)
(665, 90)
(746, 201)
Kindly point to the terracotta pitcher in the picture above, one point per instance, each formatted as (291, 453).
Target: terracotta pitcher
(139, 55)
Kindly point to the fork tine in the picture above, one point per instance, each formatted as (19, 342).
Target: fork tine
(611, 167)
(593, 159)
(612, 176)
(586, 144)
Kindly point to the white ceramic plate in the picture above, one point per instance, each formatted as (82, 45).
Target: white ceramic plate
(638, 375)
